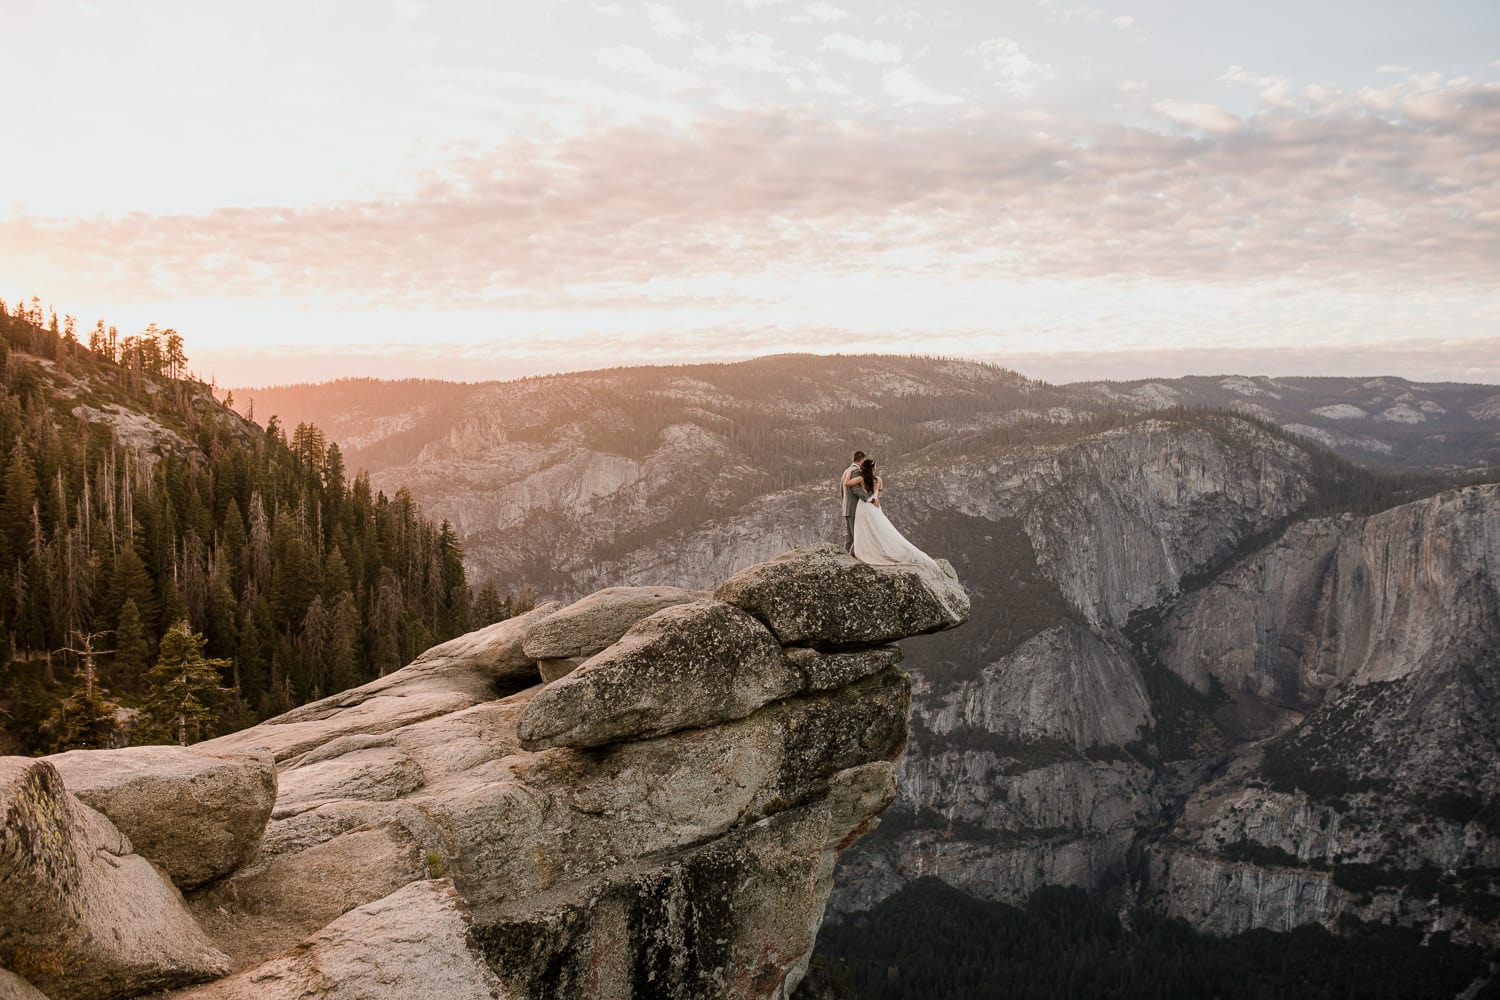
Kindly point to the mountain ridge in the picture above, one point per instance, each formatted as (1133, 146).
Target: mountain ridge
(1446, 407)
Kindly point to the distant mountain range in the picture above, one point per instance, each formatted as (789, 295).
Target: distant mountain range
(1385, 421)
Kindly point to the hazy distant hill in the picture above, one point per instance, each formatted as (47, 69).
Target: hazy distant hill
(1383, 421)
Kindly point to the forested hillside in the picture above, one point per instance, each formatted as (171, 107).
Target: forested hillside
(783, 415)
(131, 501)
(932, 942)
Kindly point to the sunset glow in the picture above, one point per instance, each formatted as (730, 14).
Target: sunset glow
(489, 190)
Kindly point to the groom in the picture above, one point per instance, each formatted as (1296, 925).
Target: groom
(853, 489)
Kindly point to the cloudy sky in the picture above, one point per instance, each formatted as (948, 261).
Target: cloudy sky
(484, 190)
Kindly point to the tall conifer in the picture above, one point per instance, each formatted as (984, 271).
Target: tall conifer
(131, 647)
(185, 688)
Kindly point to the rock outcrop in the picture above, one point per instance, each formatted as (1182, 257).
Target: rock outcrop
(561, 644)
(82, 914)
(798, 596)
(728, 660)
(1159, 573)
(196, 816)
(597, 622)
(664, 821)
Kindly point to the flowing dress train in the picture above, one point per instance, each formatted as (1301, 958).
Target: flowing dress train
(876, 541)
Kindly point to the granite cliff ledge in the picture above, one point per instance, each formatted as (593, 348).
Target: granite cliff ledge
(662, 818)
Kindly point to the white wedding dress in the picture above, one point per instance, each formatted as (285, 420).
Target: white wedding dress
(876, 541)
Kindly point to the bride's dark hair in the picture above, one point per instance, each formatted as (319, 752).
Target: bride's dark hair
(867, 473)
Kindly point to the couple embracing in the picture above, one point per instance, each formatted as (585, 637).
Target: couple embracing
(869, 535)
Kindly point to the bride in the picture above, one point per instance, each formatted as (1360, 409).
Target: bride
(876, 539)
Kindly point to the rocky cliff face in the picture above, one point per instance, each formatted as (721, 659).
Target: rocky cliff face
(662, 820)
(1378, 796)
(1313, 736)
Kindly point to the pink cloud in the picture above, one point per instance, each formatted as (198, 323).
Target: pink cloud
(1202, 117)
(1344, 199)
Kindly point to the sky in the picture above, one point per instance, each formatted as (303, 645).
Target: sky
(472, 190)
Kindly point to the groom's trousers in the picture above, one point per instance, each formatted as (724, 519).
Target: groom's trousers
(849, 533)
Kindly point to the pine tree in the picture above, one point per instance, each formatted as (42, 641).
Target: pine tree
(335, 576)
(132, 582)
(524, 601)
(173, 604)
(184, 689)
(453, 589)
(15, 508)
(85, 721)
(343, 652)
(488, 608)
(250, 657)
(223, 612)
(295, 574)
(131, 648)
(232, 537)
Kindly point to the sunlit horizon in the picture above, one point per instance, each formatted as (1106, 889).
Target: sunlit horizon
(1069, 190)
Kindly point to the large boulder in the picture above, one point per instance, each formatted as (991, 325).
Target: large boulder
(197, 816)
(675, 835)
(687, 666)
(82, 916)
(585, 627)
(570, 814)
(499, 650)
(576, 842)
(823, 597)
(413, 943)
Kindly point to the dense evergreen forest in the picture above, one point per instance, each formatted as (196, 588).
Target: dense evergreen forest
(169, 570)
(931, 942)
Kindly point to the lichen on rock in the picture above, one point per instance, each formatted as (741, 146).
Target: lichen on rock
(823, 597)
(687, 666)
